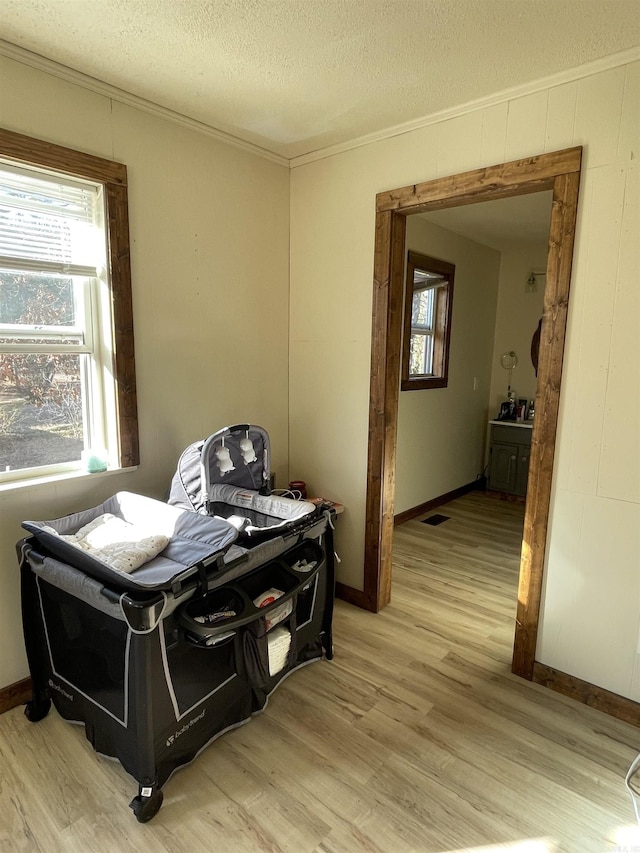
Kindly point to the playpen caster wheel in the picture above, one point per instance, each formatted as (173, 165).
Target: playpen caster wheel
(144, 808)
(35, 711)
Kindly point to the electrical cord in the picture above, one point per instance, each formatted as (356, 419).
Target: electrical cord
(287, 493)
(633, 792)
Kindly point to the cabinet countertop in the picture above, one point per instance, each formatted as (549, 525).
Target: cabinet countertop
(525, 424)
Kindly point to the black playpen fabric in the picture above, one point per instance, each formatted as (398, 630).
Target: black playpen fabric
(160, 662)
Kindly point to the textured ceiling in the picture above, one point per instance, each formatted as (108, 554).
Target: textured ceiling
(293, 76)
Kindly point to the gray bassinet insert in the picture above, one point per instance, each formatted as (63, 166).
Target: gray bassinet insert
(250, 512)
(227, 476)
(194, 541)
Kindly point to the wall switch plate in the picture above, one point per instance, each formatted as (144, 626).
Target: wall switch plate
(475, 383)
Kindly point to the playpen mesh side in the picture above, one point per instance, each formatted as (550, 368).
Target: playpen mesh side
(198, 673)
(87, 648)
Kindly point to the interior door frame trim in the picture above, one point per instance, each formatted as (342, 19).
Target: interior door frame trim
(558, 171)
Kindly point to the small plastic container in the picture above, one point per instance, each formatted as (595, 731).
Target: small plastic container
(299, 486)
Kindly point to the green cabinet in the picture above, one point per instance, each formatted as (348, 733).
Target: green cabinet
(509, 451)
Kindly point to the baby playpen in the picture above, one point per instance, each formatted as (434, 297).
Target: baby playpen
(160, 626)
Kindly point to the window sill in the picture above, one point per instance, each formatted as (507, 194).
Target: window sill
(60, 478)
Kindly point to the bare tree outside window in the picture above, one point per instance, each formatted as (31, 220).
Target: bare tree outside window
(41, 420)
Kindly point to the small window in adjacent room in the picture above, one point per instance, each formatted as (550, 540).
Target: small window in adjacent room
(427, 322)
(67, 377)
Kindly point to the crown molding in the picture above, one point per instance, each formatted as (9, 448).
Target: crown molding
(615, 60)
(70, 75)
(41, 63)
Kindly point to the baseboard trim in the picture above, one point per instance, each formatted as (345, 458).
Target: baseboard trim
(410, 514)
(15, 694)
(351, 595)
(597, 697)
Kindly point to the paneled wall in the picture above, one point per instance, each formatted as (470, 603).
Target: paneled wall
(591, 613)
(209, 256)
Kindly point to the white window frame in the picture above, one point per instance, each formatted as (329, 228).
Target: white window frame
(427, 329)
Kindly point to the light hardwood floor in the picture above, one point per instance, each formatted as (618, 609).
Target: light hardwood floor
(415, 738)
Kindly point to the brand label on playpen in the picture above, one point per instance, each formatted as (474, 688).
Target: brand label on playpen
(244, 499)
(185, 728)
(60, 690)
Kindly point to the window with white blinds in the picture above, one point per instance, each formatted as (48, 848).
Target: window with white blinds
(58, 394)
(47, 223)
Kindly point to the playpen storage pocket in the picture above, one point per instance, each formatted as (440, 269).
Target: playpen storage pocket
(269, 654)
(307, 560)
(269, 640)
(213, 619)
(258, 613)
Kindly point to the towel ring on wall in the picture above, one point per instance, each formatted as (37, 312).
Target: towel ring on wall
(509, 360)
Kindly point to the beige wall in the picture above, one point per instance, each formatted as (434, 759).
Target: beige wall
(441, 431)
(591, 617)
(516, 320)
(209, 261)
(209, 258)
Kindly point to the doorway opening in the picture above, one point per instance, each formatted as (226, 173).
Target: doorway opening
(556, 171)
(471, 441)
